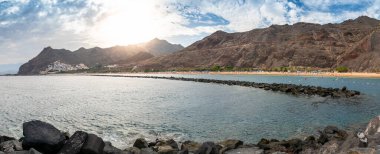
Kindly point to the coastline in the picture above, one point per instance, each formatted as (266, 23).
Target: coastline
(365, 75)
(308, 74)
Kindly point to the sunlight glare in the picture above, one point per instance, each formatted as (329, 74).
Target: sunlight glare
(130, 22)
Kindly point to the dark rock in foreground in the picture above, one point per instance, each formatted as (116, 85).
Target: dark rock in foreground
(110, 149)
(10, 146)
(285, 88)
(229, 144)
(6, 138)
(140, 143)
(191, 146)
(42, 136)
(74, 144)
(208, 148)
(164, 146)
(93, 145)
(30, 151)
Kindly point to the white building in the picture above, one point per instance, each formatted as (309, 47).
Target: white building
(58, 66)
(81, 66)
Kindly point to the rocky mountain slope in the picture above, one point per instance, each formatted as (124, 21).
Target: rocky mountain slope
(353, 43)
(103, 56)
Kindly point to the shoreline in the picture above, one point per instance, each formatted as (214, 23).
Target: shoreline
(306, 74)
(359, 75)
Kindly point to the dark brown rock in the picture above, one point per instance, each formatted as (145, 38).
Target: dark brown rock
(166, 149)
(190, 145)
(93, 145)
(172, 144)
(229, 144)
(263, 144)
(74, 144)
(6, 138)
(110, 149)
(30, 151)
(140, 143)
(50, 141)
(208, 148)
(10, 146)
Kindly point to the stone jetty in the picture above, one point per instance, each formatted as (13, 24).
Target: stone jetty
(279, 87)
(43, 138)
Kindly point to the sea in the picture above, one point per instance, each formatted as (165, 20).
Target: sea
(121, 109)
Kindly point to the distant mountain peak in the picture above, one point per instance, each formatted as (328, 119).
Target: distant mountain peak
(362, 20)
(156, 39)
(48, 48)
(158, 47)
(219, 32)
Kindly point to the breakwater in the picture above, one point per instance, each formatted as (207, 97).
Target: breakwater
(277, 87)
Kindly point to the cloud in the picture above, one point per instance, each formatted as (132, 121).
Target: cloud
(336, 5)
(26, 26)
(195, 16)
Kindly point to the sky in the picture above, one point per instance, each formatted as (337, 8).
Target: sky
(27, 26)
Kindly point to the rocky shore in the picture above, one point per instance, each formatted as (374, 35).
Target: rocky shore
(280, 87)
(43, 138)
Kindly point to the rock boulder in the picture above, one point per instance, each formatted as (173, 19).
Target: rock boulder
(6, 138)
(74, 144)
(140, 143)
(373, 126)
(93, 145)
(42, 136)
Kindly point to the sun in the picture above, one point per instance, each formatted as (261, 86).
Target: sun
(130, 22)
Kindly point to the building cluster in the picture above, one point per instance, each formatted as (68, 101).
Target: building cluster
(58, 66)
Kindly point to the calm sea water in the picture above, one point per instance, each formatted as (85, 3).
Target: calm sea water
(123, 109)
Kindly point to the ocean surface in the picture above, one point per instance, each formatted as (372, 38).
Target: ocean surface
(122, 109)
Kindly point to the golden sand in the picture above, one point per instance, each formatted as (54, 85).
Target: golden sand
(319, 74)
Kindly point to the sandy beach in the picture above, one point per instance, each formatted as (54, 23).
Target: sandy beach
(319, 74)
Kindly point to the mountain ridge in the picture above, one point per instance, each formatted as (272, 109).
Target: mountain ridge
(97, 55)
(352, 43)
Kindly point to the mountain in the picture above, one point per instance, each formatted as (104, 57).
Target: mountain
(159, 47)
(353, 43)
(93, 56)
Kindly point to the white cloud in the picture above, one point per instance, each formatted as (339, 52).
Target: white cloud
(374, 10)
(241, 17)
(120, 22)
(254, 14)
(11, 10)
(274, 11)
(127, 22)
